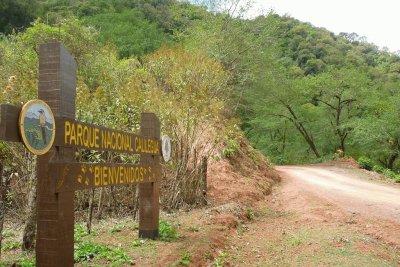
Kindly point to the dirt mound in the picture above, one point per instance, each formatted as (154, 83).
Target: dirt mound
(245, 178)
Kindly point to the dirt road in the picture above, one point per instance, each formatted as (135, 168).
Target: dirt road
(351, 192)
(323, 216)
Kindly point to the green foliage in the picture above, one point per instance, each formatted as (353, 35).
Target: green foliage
(16, 14)
(8, 233)
(11, 245)
(186, 259)
(389, 174)
(366, 163)
(116, 229)
(27, 262)
(249, 214)
(193, 229)
(79, 232)
(167, 232)
(137, 243)
(85, 251)
(231, 148)
(378, 169)
(129, 30)
(221, 259)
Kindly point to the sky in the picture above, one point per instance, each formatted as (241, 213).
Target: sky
(379, 21)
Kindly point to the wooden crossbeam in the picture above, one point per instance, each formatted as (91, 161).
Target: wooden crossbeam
(76, 134)
(80, 176)
(9, 116)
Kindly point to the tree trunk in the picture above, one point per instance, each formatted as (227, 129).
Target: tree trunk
(29, 233)
(203, 173)
(90, 212)
(391, 160)
(100, 206)
(303, 131)
(2, 203)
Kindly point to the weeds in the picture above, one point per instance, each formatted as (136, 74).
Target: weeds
(116, 229)
(167, 232)
(11, 245)
(193, 229)
(221, 259)
(7, 234)
(186, 259)
(88, 250)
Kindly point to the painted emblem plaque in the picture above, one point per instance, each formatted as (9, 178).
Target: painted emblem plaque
(37, 126)
(166, 148)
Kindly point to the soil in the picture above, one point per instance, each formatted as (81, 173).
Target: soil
(319, 215)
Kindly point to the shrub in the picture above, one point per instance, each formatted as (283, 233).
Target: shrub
(167, 232)
(378, 169)
(366, 163)
(87, 250)
(389, 174)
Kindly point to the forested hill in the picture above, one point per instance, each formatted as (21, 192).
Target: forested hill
(302, 93)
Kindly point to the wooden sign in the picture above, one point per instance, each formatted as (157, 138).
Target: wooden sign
(71, 133)
(81, 176)
(48, 128)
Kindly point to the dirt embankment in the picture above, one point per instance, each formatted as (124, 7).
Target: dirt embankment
(245, 178)
(235, 186)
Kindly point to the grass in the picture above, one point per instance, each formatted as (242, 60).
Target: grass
(167, 232)
(11, 245)
(328, 247)
(186, 259)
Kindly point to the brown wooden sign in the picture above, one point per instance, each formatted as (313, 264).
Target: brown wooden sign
(80, 176)
(71, 133)
(59, 175)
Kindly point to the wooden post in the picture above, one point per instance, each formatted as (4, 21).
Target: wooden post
(55, 212)
(149, 193)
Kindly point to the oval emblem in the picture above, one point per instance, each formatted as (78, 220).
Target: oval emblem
(166, 148)
(37, 126)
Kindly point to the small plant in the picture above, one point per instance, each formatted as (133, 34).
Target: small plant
(389, 173)
(26, 262)
(79, 233)
(231, 148)
(137, 243)
(366, 163)
(116, 229)
(8, 233)
(88, 250)
(223, 256)
(193, 229)
(378, 169)
(11, 245)
(249, 214)
(186, 259)
(167, 232)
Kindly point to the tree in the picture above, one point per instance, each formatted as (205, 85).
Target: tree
(16, 14)
(342, 93)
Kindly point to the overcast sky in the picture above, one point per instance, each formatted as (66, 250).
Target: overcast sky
(379, 21)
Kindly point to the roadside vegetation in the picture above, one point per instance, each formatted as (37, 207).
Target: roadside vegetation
(214, 77)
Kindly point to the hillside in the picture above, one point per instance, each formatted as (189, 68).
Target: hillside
(225, 89)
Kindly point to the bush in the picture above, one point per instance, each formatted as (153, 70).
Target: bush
(88, 250)
(378, 169)
(389, 174)
(366, 163)
(167, 232)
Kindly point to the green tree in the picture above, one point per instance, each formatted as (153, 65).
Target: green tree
(342, 94)
(16, 14)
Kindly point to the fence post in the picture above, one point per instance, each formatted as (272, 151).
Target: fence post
(55, 211)
(149, 193)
